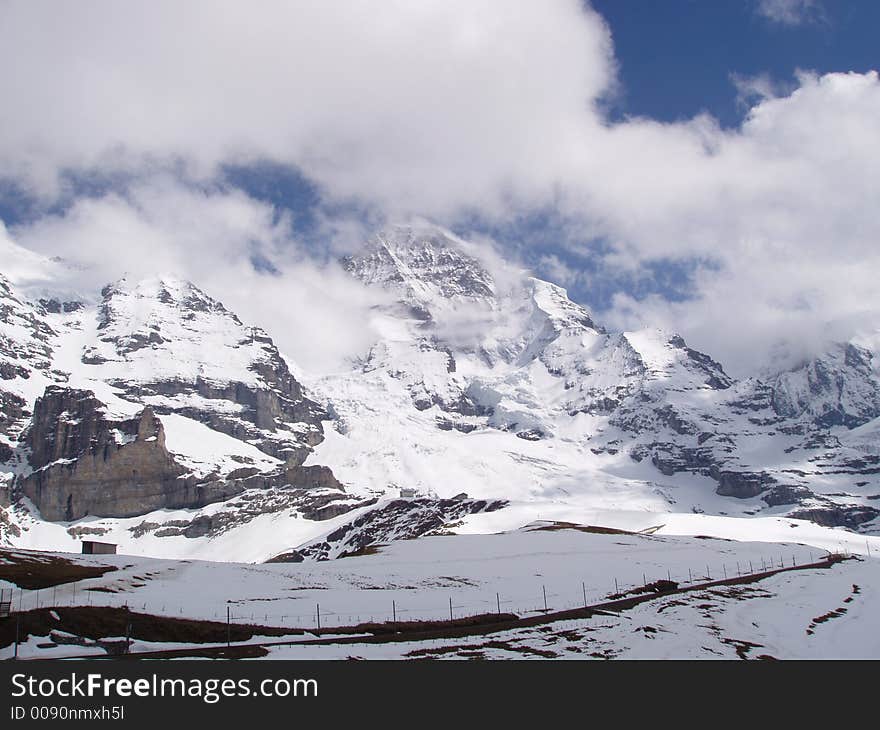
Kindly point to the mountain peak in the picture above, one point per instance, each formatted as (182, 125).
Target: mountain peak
(425, 262)
(139, 299)
(836, 387)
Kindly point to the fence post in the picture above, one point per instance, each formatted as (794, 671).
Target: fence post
(450, 608)
(498, 602)
(318, 614)
(690, 576)
(616, 587)
(708, 574)
(393, 611)
(584, 587)
(544, 589)
(724, 568)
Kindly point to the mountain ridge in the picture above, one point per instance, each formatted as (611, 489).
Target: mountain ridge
(481, 379)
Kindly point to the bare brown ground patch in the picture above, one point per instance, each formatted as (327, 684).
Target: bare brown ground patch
(33, 571)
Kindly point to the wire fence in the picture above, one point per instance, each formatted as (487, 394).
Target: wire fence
(409, 605)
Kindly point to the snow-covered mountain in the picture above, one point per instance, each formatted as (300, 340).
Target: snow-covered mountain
(485, 389)
(554, 406)
(153, 396)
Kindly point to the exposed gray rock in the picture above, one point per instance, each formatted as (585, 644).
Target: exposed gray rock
(784, 494)
(85, 463)
(837, 516)
(402, 519)
(671, 458)
(742, 485)
(312, 504)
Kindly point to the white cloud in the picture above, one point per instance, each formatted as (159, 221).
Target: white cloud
(791, 12)
(751, 90)
(400, 101)
(446, 109)
(316, 313)
(784, 209)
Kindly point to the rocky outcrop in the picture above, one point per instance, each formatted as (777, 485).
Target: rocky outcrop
(714, 374)
(311, 504)
(671, 458)
(12, 411)
(68, 423)
(851, 517)
(785, 494)
(85, 463)
(263, 412)
(741, 484)
(401, 519)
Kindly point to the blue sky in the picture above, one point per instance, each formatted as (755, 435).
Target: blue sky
(677, 57)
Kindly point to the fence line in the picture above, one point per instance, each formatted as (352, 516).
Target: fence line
(462, 607)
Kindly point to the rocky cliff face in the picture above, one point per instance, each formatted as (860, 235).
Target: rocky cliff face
(84, 391)
(85, 463)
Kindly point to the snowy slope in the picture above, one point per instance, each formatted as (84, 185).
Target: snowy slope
(816, 612)
(481, 379)
(492, 382)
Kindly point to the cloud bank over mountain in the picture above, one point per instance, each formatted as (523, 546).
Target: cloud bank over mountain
(453, 111)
